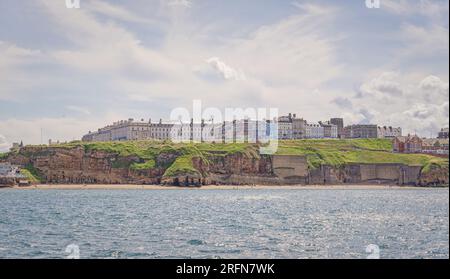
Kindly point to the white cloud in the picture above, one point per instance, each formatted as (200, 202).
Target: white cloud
(78, 109)
(289, 60)
(285, 60)
(183, 3)
(351, 117)
(292, 63)
(433, 83)
(420, 111)
(62, 129)
(343, 103)
(434, 89)
(422, 35)
(292, 51)
(15, 52)
(226, 71)
(13, 78)
(4, 145)
(383, 86)
(422, 106)
(313, 9)
(425, 40)
(431, 9)
(287, 57)
(117, 12)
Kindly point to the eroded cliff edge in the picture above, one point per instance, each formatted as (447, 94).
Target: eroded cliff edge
(297, 162)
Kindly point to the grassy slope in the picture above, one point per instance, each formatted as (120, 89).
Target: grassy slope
(4, 155)
(31, 174)
(331, 152)
(339, 152)
(182, 165)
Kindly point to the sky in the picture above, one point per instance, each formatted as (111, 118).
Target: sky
(64, 72)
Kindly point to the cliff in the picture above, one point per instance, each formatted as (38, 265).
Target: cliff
(296, 162)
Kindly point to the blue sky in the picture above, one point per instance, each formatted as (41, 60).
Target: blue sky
(67, 71)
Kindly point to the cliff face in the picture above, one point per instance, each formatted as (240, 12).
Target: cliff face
(59, 165)
(79, 165)
(239, 164)
(435, 176)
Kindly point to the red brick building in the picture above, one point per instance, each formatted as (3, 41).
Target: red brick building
(435, 146)
(408, 144)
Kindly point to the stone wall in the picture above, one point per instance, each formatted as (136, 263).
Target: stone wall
(290, 167)
(380, 172)
(238, 164)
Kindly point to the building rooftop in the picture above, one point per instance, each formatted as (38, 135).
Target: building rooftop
(435, 141)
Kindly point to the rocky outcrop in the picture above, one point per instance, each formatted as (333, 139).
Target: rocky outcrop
(7, 182)
(238, 164)
(436, 176)
(78, 165)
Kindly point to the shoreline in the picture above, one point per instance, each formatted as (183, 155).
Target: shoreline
(212, 187)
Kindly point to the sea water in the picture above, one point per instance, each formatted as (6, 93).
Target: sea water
(262, 223)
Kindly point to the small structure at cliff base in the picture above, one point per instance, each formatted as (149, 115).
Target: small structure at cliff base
(10, 175)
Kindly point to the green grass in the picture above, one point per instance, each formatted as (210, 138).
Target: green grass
(31, 173)
(150, 164)
(4, 155)
(371, 144)
(183, 165)
(149, 149)
(224, 149)
(429, 167)
(340, 152)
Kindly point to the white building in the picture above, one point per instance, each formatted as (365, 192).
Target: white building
(131, 130)
(284, 127)
(388, 132)
(329, 130)
(8, 170)
(314, 131)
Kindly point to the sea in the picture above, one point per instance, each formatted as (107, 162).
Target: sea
(235, 223)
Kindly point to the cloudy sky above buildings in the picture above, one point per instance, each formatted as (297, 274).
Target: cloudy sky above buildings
(67, 71)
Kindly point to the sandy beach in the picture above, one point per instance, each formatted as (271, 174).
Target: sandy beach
(208, 187)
